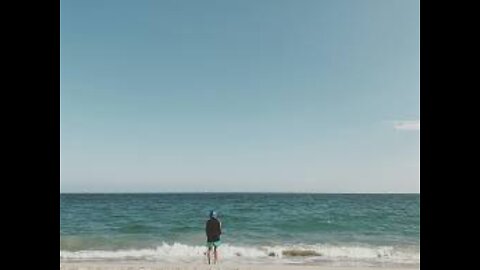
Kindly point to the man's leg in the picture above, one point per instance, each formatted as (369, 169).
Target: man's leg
(215, 253)
(208, 253)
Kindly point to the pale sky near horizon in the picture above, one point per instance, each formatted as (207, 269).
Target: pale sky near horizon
(240, 95)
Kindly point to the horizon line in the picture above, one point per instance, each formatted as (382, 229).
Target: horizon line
(236, 192)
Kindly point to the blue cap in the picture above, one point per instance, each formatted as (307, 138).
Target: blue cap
(213, 214)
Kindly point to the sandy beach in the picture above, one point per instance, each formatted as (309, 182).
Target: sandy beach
(222, 266)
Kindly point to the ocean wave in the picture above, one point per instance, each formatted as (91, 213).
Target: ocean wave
(306, 253)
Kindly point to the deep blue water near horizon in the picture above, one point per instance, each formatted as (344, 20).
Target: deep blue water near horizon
(265, 227)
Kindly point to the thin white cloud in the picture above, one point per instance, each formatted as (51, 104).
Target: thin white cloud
(407, 125)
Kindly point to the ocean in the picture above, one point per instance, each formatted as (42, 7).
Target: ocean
(331, 229)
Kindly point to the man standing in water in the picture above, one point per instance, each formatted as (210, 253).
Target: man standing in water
(213, 230)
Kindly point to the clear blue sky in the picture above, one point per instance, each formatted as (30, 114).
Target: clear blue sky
(240, 95)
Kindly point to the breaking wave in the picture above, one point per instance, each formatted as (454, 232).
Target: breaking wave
(257, 254)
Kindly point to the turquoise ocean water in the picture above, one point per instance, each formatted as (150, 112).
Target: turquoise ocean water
(334, 229)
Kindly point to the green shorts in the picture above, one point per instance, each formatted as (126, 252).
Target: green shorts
(213, 244)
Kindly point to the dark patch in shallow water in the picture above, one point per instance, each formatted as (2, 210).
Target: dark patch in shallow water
(302, 253)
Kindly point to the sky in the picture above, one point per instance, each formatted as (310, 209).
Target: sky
(239, 96)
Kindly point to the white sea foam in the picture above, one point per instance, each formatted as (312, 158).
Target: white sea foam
(292, 253)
